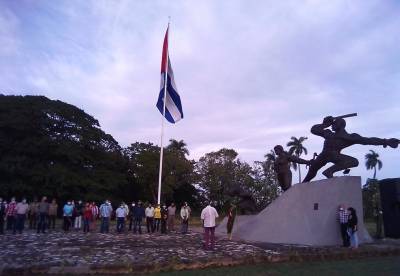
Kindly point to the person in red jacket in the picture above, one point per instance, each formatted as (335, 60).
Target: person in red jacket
(87, 217)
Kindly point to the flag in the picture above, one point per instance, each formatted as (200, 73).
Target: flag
(173, 106)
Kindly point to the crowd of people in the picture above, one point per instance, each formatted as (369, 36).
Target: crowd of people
(84, 216)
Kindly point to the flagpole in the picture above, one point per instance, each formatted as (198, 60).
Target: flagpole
(162, 120)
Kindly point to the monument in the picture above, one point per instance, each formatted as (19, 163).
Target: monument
(337, 140)
(307, 212)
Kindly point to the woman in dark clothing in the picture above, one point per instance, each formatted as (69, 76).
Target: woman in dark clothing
(353, 227)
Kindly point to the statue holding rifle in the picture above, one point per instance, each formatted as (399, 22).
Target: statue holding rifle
(337, 140)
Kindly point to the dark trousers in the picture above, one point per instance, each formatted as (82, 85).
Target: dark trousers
(42, 223)
(86, 223)
(130, 223)
(120, 224)
(209, 237)
(137, 225)
(52, 221)
(184, 226)
(157, 222)
(105, 222)
(1, 225)
(19, 224)
(150, 224)
(10, 222)
(345, 235)
(163, 226)
(32, 221)
(67, 223)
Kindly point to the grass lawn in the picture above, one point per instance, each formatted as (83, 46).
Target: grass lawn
(369, 266)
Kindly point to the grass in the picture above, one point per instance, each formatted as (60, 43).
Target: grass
(370, 266)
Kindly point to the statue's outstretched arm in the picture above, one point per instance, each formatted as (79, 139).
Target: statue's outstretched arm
(358, 139)
(298, 160)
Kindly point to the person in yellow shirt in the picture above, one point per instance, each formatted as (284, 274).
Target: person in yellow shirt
(157, 218)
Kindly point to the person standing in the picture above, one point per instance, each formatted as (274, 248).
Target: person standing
(150, 218)
(87, 217)
(185, 213)
(353, 227)
(208, 215)
(11, 213)
(67, 214)
(121, 214)
(2, 214)
(43, 209)
(131, 216)
(164, 218)
(231, 220)
(138, 215)
(95, 215)
(21, 210)
(105, 214)
(343, 220)
(33, 213)
(78, 218)
(157, 218)
(171, 217)
(53, 208)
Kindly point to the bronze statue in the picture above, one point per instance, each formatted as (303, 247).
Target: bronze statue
(282, 166)
(337, 140)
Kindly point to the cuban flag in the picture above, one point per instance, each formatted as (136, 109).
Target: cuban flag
(173, 106)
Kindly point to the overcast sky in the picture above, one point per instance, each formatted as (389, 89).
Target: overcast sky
(251, 74)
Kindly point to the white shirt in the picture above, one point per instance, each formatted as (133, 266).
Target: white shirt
(149, 212)
(208, 215)
(120, 212)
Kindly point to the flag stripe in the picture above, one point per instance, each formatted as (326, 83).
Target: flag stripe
(173, 105)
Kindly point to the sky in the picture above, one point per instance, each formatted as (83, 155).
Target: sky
(251, 74)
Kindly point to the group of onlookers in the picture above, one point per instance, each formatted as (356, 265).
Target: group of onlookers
(42, 216)
(348, 226)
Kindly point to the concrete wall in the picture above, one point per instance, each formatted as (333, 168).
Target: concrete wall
(292, 218)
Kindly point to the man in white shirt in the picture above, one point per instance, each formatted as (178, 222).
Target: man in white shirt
(121, 213)
(21, 210)
(149, 212)
(208, 216)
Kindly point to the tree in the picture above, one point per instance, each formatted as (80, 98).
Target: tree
(266, 188)
(56, 149)
(297, 148)
(177, 176)
(372, 161)
(178, 147)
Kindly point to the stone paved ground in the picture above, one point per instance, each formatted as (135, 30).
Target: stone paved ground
(94, 253)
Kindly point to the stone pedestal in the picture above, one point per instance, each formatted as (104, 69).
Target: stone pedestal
(305, 214)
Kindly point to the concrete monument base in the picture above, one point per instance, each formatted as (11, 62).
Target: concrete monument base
(305, 214)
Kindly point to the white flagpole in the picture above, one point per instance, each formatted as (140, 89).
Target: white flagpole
(162, 121)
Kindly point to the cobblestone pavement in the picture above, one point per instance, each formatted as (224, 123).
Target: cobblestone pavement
(50, 252)
(57, 253)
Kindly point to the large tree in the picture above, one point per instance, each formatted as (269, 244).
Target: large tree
(372, 161)
(177, 175)
(56, 149)
(296, 147)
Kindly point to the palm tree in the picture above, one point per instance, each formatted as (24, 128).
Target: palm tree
(297, 148)
(371, 161)
(179, 147)
(270, 159)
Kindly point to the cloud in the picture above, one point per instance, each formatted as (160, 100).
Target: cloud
(251, 74)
